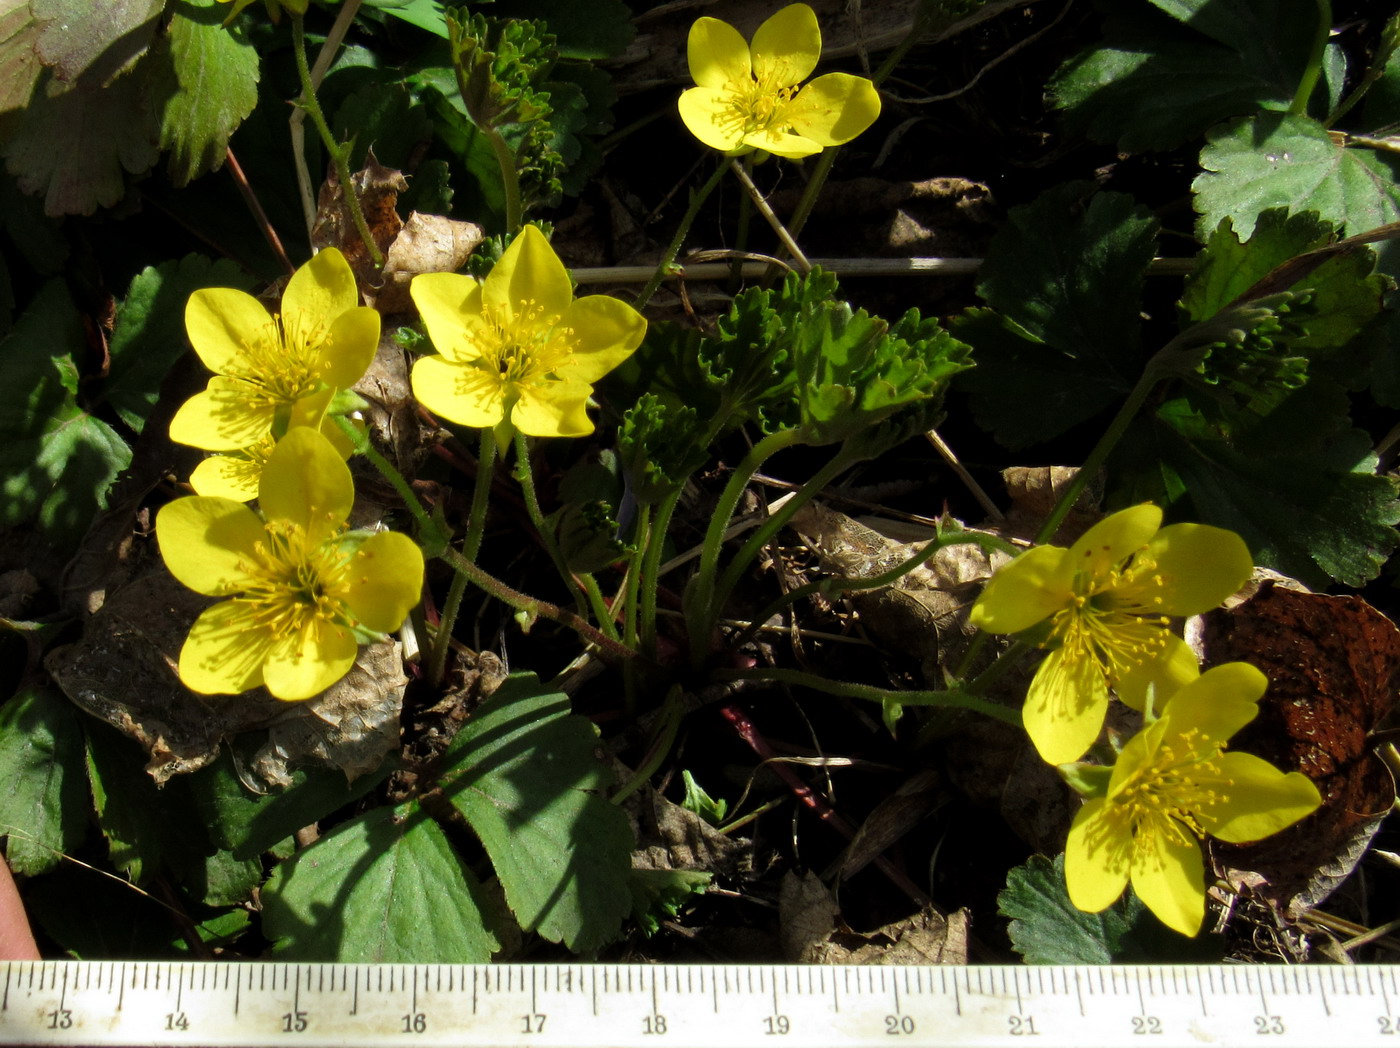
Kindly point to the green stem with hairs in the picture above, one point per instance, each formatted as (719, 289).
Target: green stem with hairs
(525, 474)
(432, 534)
(697, 200)
(312, 105)
(955, 698)
(1308, 82)
(510, 179)
(471, 546)
(650, 581)
(700, 610)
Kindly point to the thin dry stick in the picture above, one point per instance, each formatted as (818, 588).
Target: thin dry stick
(849, 267)
(772, 219)
(251, 199)
(957, 467)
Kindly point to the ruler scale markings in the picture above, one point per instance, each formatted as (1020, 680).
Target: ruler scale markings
(1079, 992)
(1322, 990)
(476, 973)
(121, 988)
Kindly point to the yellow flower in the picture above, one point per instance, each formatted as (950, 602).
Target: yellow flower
(237, 474)
(1171, 785)
(748, 96)
(273, 372)
(303, 589)
(517, 347)
(1105, 602)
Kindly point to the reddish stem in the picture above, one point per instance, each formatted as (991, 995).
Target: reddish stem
(251, 199)
(748, 731)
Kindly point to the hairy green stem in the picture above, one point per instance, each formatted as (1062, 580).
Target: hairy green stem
(1099, 454)
(312, 105)
(599, 605)
(700, 610)
(697, 200)
(830, 587)
(774, 523)
(510, 179)
(1308, 82)
(525, 474)
(650, 581)
(953, 699)
(471, 546)
(531, 607)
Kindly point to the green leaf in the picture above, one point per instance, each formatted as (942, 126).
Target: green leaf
(1281, 160)
(1065, 277)
(95, 916)
(247, 824)
(1046, 928)
(43, 797)
(658, 895)
(80, 38)
(147, 828)
(1316, 513)
(19, 56)
(383, 888)
(1345, 294)
(1154, 83)
(425, 14)
(384, 117)
(72, 143)
(524, 774)
(57, 459)
(595, 29)
(149, 334)
(212, 85)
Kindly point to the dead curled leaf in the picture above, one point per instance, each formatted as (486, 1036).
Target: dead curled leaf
(123, 671)
(1333, 665)
(813, 933)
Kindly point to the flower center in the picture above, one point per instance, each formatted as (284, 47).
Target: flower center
(1165, 795)
(1099, 624)
(281, 363)
(295, 584)
(756, 104)
(525, 348)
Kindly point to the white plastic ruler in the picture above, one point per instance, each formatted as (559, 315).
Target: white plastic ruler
(694, 1006)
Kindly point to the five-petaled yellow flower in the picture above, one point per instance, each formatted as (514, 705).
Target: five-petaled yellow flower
(518, 347)
(237, 474)
(275, 371)
(301, 587)
(748, 95)
(1171, 785)
(1106, 602)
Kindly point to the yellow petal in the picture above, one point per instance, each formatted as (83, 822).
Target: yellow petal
(1214, 706)
(1065, 706)
(306, 663)
(556, 409)
(349, 347)
(1166, 675)
(318, 292)
(707, 113)
(1097, 855)
(834, 108)
(1169, 875)
(1257, 799)
(228, 476)
(445, 300)
(606, 332)
(222, 418)
(1024, 592)
(717, 53)
(786, 47)
(780, 143)
(529, 276)
(207, 543)
(458, 392)
(307, 483)
(1191, 568)
(386, 580)
(1109, 542)
(224, 651)
(221, 322)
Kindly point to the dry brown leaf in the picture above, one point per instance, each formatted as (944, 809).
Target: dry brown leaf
(425, 244)
(377, 187)
(812, 932)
